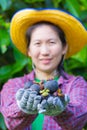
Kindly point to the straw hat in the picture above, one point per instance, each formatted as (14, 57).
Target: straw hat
(76, 34)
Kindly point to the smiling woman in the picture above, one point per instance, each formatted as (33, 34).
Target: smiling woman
(46, 50)
(47, 36)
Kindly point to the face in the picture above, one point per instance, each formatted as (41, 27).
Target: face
(45, 49)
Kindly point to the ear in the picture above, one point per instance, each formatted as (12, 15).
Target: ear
(28, 53)
(65, 49)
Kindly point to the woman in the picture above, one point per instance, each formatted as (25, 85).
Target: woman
(47, 36)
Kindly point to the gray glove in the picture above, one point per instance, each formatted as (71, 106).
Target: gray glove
(53, 106)
(27, 100)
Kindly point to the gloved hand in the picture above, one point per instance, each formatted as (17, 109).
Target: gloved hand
(53, 106)
(28, 100)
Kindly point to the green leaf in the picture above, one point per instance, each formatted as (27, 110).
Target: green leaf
(77, 61)
(18, 55)
(73, 7)
(72, 64)
(56, 3)
(4, 35)
(81, 56)
(8, 71)
(5, 72)
(19, 66)
(84, 2)
(5, 4)
(84, 16)
(2, 123)
(4, 39)
(33, 1)
(49, 3)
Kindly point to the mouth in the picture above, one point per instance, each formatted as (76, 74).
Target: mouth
(46, 61)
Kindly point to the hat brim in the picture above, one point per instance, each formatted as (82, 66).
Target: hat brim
(76, 34)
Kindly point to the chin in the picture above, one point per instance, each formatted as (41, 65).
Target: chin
(47, 70)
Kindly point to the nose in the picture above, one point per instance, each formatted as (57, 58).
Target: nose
(45, 50)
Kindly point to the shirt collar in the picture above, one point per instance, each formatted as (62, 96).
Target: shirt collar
(61, 80)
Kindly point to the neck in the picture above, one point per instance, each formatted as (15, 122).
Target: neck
(45, 76)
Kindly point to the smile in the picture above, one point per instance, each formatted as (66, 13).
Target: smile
(45, 61)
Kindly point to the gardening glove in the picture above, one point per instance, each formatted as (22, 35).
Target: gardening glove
(28, 100)
(53, 106)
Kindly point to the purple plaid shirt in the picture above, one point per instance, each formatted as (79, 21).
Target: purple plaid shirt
(74, 117)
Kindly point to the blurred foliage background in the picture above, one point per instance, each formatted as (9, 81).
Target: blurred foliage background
(13, 63)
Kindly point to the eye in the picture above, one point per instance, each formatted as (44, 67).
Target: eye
(52, 42)
(37, 43)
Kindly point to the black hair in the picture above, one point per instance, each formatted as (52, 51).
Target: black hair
(60, 33)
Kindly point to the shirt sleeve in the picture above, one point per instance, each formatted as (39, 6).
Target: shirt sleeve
(15, 119)
(75, 115)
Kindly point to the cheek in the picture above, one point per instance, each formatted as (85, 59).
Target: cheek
(33, 53)
(57, 51)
